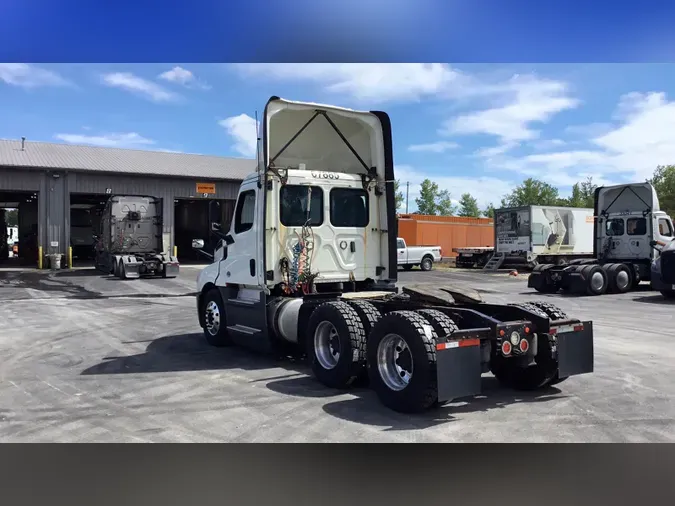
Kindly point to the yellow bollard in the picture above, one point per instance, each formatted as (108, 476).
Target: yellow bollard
(39, 257)
(175, 251)
(70, 257)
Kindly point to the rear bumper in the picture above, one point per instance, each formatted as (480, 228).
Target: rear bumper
(460, 360)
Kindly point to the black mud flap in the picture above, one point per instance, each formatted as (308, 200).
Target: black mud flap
(459, 369)
(575, 351)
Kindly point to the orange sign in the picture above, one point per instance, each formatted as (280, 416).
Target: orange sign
(590, 219)
(206, 188)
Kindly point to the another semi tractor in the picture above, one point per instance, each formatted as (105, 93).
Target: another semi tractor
(534, 235)
(628, 226)
(130, 243)
(310, 260)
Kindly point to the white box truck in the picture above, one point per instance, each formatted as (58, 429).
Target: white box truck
(534, 235)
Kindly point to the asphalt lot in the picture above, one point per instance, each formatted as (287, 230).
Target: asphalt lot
(86, 358)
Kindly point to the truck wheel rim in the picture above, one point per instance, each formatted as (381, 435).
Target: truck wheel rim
(597, 281)
(394, 362)
(212, 318)
(327, 345)
(427, 264)
(622, 279)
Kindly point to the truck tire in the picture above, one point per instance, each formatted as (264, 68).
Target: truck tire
(402, 362)
(427, 263)
(619, 278)
(367, 312)
(115, 268)
(596, 279)
(532, 308)
(552, 311)
(215, 327)
(336, 344)
(441, 323)
(122, 271)
(534, 377)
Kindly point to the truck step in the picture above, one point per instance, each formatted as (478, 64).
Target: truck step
(495, 262)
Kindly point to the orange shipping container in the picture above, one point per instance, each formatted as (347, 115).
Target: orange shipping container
(448, 232)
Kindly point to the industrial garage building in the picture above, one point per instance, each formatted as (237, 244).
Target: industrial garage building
(51, 184)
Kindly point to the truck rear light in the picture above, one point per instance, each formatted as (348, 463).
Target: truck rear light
(514, 338)
(506, 348)
(524, 345)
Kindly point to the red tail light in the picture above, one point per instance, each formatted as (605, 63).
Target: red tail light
(506, 348)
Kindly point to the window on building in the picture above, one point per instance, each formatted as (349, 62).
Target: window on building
(636, 226)
(665, 228)
(245, 212)
(615, 227)
(301, 205)
(349, 207)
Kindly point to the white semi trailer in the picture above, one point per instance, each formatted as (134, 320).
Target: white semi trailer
(534, 235)
(310, 260)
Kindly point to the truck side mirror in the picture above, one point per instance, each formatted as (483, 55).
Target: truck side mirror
(229, 239)
(197, 243)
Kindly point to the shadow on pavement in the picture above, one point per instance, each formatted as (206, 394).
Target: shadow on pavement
(79, 273)
(189, 352)
(657, 298)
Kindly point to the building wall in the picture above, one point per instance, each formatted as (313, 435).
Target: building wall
(55, 188)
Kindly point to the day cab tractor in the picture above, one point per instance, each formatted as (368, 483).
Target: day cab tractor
(628, 225)
(310, 260)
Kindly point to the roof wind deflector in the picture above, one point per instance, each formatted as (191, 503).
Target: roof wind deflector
(605, 212)
(369, 170)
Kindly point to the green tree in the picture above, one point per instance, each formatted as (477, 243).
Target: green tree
(468, 206)
(532, 192)
(434, 201)
(583, 194)
(400, 198)
(663, 181)
(489, 211)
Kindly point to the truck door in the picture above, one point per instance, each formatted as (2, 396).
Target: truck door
(239, 275)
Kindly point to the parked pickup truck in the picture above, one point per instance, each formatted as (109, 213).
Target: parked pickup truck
(424, 256)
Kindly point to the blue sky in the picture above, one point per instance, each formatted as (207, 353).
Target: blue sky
(477, 128)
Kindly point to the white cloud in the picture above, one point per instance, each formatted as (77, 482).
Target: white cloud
(434, 147)
(642, 137)
(182, 76)
(485, 189)
(110, 140)
(242, 129)
(528, 100)
(371, 82)
(134, 84)
(29, 76)
(547, 144)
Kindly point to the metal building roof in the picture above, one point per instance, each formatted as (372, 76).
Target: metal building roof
(46, 155)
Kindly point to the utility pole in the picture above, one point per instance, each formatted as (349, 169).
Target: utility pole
(407, 192)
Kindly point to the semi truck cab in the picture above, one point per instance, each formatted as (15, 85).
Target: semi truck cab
(310, 260)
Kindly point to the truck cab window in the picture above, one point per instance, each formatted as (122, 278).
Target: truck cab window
(245, 212)
(665, 228)
(400, 244)
(615, 227)
(636, 226)
(349, 207)
(301, 205)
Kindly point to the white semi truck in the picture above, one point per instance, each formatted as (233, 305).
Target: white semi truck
(534, 235)
(628, 227)
(310, 260)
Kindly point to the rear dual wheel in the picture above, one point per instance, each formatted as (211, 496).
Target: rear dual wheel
(398, 351)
